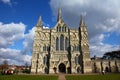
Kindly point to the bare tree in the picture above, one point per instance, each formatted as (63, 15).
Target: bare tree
(26, 65)
(5, 65)
(0, 57)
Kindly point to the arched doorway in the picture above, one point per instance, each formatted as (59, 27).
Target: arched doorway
(62, 68)
(106, 69)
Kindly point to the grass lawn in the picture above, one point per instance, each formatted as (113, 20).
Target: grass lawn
(55, 77)
(93, 77)
(28, 77)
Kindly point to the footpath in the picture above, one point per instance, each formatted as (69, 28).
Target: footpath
(61, 77)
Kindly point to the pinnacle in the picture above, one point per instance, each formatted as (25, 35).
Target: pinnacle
(39, 21)
(59, 14)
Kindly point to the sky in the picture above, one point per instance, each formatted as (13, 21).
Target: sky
(18, 19)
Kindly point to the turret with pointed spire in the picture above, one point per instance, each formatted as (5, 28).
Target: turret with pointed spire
(39, 24)
(83, 35)
(81, 21)
(84, 47)
(82, 24)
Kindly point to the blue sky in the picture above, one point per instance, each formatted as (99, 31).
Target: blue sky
(19, 17)
(26, 12)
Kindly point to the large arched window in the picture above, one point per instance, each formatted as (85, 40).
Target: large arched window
(66, 43)
(61, 42)
(57, 44)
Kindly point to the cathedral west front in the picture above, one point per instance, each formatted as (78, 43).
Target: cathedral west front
(61, 49)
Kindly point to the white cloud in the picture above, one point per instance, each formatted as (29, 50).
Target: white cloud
(14, 56)
(113, 25)
(28, 42)
(45, 27)
(9, 33)
(95, 14)
(97, 39)
(97, 47)
(101, 16)
(100, 49)
(7, 2)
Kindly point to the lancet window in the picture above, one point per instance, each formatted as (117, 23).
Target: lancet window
(57, 44)
(61, 42)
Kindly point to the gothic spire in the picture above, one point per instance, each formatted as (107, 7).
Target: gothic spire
(39, 22)
(81, 21)
(82, 24)
(59, 14)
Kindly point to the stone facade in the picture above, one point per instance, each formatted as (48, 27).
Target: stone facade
(61, 49)
(99, 65)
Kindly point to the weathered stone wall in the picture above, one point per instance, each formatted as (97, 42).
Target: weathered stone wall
(106, 65)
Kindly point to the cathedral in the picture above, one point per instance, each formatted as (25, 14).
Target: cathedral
(61, 49)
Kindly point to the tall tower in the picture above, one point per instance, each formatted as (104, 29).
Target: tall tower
(84, 47)
(40, 49)
(36, 46)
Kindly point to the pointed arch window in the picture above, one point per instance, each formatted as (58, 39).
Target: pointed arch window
(45, 48)
(57, 44)
(74, 48)
(76, 59)
(37, 56)
(77, 48)
(57, 29)
(61, 42)
(65, 29)
(66, 43)
(45, 60)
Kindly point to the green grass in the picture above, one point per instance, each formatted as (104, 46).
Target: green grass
(28, 77)
(93, 77)
(55, 77)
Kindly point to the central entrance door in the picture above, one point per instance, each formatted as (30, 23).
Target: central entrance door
(62, 68)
